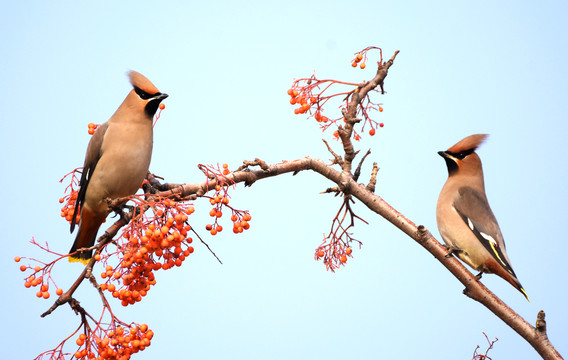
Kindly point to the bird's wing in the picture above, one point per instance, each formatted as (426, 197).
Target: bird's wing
(91, 160)
(477, 215)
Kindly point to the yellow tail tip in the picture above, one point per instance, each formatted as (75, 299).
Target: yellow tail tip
(525, 293)
(74, 259)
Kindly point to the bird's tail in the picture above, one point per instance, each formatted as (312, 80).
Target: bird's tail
(519, 287)
(512, 279)
(86, 236)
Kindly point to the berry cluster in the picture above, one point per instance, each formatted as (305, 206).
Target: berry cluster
(219, 200)
(42, 280)
(357, 61)
(69, 208)
(336, 246)
(92, 128)
(333, 253)
(118, 343)
(303, 100)
(149, 244)
(70, 197)
(309, 95)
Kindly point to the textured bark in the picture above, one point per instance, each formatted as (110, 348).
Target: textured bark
(536, 336)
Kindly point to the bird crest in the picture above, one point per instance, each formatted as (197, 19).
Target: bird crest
(141, 82)
(471, 142)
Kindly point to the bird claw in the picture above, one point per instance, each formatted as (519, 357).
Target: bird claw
(451, 251)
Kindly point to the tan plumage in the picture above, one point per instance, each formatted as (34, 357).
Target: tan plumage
(464, 217)
(117, 160)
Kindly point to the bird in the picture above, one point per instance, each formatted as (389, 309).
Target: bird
(116, 163)
(465, 220)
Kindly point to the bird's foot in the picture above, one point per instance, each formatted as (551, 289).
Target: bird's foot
(451, 251)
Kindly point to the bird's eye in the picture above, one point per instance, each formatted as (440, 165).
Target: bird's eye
(462, 154)
(143, 94)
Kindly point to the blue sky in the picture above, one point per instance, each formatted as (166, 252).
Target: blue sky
(464, 68)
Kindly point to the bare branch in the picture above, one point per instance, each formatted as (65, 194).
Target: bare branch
(474, 289)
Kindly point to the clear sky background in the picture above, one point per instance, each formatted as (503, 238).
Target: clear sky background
(464, 68)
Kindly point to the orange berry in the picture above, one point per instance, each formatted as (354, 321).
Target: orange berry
(23, 268)
(45, 295)
(213, 232)
(295, 93)
(359, 57)
(37, 268)
(39, 294)
(381, 124)
(321, 253)
(380, 109)
(324, 119)
(27, 284)
(219, 214)
(348, 251)
(98, 257)
(357, 137)
(343, 259)
(362, 66)
(91, 131)
(17, 259)
(162, 106)
(292, 101)
(336, 134)
(59, 291)
(354, 64)
(290, 92)
(247, 217)
(372, 132)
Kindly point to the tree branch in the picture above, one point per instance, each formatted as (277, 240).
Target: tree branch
(536, 336)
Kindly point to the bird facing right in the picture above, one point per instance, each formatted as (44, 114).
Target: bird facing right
(465, 220)
(116, 163)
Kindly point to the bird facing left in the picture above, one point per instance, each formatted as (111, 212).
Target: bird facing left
(116, 163)
(465, 220)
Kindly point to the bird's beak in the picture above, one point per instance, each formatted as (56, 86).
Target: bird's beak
(449, 158)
